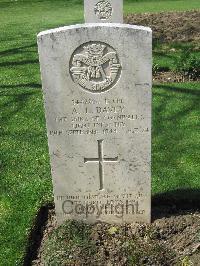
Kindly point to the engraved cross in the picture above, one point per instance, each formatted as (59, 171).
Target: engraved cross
(101, 160)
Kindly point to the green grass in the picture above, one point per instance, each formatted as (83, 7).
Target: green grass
(24, 163)
(140, 6)
(176, 139)
(25, 173)
(167, 56)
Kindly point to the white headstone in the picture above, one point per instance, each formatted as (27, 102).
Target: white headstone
(97, 89)
(103, 11)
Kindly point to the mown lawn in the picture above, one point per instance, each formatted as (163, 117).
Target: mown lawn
(176, 139)
(167, 56)
(140, 6)
(25, 181)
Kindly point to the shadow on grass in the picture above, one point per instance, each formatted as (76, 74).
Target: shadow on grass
(177, 89)
(11, 60)
(37, 233)
(164, 54)
(175, 137)
(19, 63)
(175, 202)
(18, 50)
(14, 103)
(28, 86)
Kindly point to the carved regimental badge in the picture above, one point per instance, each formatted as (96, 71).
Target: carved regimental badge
(103, 10)
(95, 67)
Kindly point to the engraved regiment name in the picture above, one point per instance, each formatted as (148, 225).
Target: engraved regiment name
(107, 116)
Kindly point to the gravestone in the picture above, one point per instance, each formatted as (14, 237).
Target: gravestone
(103, 11)
(96, 82)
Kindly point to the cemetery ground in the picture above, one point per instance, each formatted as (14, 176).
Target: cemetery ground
(25, 169)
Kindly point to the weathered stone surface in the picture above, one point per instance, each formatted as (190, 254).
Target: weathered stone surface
(103, 11)
(97, 93)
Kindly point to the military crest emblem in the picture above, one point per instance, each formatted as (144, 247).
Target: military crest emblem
(95, 67)
(103, 10)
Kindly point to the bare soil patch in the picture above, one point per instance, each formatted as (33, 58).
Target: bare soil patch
(171, 77)
(171, 239)
(170, 26)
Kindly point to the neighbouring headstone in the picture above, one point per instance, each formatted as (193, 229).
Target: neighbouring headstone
(97, 89)
(103, 11)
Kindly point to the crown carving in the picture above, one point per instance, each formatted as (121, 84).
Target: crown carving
(95, 49)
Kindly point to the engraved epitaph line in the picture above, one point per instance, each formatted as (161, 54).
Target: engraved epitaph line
(101, 160)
